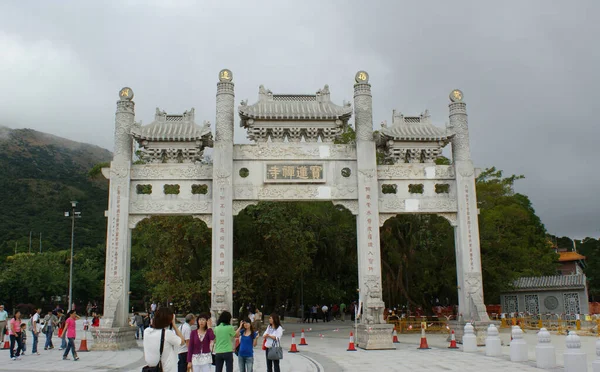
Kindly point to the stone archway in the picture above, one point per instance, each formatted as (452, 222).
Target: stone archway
(293, 158)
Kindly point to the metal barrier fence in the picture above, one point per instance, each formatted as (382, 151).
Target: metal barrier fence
(414, 325)
(554, 323)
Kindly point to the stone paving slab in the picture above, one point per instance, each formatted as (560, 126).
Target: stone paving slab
(326, 351)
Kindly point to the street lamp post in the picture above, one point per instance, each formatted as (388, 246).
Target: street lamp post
(73, 214)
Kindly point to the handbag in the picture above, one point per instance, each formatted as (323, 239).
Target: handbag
(275, 352)
(236, 350)
(201, 359)
(158, 367)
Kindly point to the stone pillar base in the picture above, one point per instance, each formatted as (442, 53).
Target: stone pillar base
(375, 336)
(121, 338)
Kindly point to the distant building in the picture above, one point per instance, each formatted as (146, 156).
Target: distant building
(571, 263)
(558, 294)
(565, 293)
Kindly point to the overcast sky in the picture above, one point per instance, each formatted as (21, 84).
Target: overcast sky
(528, 69)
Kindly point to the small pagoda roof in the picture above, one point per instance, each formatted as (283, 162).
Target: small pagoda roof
(570, 256)
(550, 282)
(317, 106)
(414, 128)
(168, 127)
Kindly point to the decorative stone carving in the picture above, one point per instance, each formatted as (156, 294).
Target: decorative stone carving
(221, 289)
(474, 291)
(113, 339)
(451, 217)
(135, 219)
(239, 205)
(244, 192)
(551, 302)
(384, 217)
(207, 218)
(414, 172)
(119, 171)
(294, 117)
(124, 120)
(351, 205)
(391, 203)
(465, 169)
(373, 303)
(269, 151)
(545, 355)
(224, 121)
(223, 178)
(169, 207)
(172, 172)
(459, 127)
(344, 192)
(288, 192)
(363, 111)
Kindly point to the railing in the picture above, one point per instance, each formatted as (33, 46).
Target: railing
(414, 325)
(561, 324)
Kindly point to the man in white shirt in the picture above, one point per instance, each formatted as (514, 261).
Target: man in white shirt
(325, 315)
(3, 319)
(186, 331)
(35, 330)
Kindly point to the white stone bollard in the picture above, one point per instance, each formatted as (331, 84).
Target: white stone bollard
(493, 344)
(518, 346)
(469, 339)
(545, 354)
(596, 363)
(575, 359)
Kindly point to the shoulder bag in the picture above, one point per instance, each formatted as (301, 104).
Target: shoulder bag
(158, 367)
(275, 352)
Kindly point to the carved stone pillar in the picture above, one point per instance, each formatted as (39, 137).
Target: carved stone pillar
(114, 332)
(222, 222)
(372, 333)
(468, 254)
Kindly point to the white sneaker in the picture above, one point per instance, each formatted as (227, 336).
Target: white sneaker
(13, 358)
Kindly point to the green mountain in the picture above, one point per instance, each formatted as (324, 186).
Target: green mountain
(39, 175)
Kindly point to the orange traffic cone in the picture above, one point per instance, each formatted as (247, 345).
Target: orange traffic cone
(351, 343)
(6, 345)
(395, 337)
(293, 349)
(302, 339)
(423, 345)
(83, 345)
(452, 342)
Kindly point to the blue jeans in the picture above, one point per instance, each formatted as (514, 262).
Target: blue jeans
(138, 331)
(245, 363)
(34, 342)
(63, 344)
(48, 343)
(70, 347)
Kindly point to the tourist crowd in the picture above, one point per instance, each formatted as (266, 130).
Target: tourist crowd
(197, 344)
(54, 322)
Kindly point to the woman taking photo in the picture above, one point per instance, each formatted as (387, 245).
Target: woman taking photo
(14, 332)
(164, 326)
(224, 334)
(273, 333)
(199, 356)
(248, 339)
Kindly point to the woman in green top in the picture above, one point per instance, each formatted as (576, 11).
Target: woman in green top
(224, 333)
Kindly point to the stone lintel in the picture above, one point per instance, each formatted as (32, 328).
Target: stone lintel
(375, 336)
(120, 338)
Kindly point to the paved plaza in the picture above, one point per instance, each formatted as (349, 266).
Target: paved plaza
(326, 351)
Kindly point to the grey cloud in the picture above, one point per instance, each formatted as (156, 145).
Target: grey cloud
(528, 70)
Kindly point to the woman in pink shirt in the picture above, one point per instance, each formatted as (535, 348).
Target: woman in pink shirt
(14, 332)
(69, 330)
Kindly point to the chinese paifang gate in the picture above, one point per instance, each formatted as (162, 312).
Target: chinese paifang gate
(292, 158)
